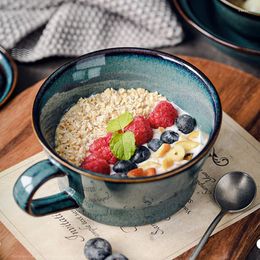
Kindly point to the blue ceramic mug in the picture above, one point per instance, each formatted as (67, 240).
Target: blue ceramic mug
(106, 199)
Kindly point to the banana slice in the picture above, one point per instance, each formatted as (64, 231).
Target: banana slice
(149, 164)
(167, 163)
(194, 134)
(188, 145)
(176, 153)
(162, 150)
(183, 138)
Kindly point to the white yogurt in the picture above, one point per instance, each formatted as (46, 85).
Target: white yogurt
(202, 139)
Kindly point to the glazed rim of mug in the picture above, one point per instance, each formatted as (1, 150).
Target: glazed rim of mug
(98, 176)
(240, 9)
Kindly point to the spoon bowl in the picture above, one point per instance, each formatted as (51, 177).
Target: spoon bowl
(234, 192)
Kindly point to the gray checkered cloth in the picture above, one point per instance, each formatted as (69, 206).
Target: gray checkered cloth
(35, 29)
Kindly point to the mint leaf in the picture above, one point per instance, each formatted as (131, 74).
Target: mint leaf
(122, 145)
(120, 122)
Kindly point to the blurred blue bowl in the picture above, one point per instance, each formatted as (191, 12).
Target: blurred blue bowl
(202, 16)
(242, 21)
(8, 75)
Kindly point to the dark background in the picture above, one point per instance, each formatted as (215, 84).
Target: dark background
(194, 45)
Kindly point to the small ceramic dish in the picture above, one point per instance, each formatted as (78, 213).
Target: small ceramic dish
(201, 15)
(8, 76)
(104, 198)
(242, 21)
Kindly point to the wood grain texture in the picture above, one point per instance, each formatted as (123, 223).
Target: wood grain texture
(240, 95)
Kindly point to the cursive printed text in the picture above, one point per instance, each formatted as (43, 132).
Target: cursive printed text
(73, 232)
(218, 160)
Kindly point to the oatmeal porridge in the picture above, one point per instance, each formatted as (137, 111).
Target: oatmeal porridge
(128, 133)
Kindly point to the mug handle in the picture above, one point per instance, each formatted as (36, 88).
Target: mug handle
(31, 180)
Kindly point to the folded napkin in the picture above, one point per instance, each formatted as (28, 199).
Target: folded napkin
(36, 29)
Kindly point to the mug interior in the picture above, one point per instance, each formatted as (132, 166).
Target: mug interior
(180, 82)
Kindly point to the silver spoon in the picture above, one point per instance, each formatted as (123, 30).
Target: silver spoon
(234, 192)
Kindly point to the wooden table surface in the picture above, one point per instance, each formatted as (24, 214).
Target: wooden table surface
(240, 95)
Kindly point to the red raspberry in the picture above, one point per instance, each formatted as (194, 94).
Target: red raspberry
(163, 115)
(100, 148)
(90, 157)
(95, 165)
(142, 130)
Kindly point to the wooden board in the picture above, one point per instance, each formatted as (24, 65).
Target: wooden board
(240, 95)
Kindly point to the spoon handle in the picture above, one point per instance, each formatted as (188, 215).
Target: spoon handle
(206, 235)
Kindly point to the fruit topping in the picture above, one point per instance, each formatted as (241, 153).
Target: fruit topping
(150, 172)
(123, 145)
(100, 148)
(162, 150)
(185, 123)
(97, 249)
(142, 130)
(155, 144)
(176, 153)
(188, 145)
(138, 172)
(169, 137)
(141, 154)
(124, 166)
(116, 256)
(163, 115)
(95, 164)
(149, 164)
(89, 158)
(183, 137)
(119, 175)
(167, 163)
(194, 134)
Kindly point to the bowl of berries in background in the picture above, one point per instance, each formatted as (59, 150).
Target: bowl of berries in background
(128, 129)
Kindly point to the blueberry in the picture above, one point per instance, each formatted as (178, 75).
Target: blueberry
(155, 144)
(169, 137)
(97, 249)
(116, 257)
(124, 166)
(186, 123)
(120, 175)
(141, 154)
